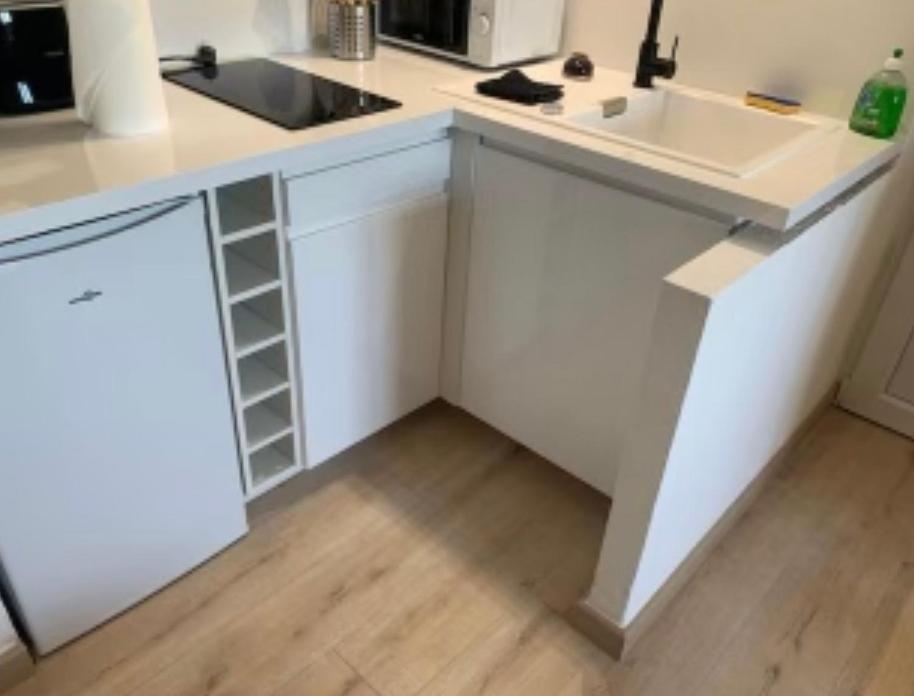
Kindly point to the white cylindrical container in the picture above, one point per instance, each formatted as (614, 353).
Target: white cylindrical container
(116, 80)
(299, 25)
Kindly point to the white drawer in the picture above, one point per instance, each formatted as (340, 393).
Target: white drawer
(333, 196)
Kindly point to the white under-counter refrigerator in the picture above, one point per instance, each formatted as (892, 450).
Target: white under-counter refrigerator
(118, 457)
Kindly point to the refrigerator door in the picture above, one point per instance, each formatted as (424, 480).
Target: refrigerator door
(118, 459)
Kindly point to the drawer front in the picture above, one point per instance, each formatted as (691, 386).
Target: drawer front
(334, 196)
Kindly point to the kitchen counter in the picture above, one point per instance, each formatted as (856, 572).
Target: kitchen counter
(53, 170)
(695, 315)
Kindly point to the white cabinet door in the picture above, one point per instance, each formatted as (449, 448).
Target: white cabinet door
(564, 277)
(882, 385)
(369, 296)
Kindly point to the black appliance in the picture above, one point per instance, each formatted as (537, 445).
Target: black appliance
(279, 94)
(484, 33)
(34, 59)
(441, 25)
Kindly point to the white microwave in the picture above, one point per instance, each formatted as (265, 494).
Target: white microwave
(486, 33)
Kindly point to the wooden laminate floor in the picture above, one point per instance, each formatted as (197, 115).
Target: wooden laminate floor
(438, 559)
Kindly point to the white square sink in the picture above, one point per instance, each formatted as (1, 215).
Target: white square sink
(711, 131)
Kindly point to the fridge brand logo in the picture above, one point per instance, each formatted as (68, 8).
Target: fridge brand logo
(87, 296)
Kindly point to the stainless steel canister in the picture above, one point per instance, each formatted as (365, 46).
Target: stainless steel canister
(352, 28)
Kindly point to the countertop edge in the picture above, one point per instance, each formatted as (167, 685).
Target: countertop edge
(292, 161)
(623, 167)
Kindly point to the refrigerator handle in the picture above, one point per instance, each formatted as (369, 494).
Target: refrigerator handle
(63, 238)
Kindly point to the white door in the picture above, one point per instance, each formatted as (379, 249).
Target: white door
(564, 279)
(882, 385)
(8, 635)
(369, 297)
(118, 459)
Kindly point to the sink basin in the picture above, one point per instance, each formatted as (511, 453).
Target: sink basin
(710, 131)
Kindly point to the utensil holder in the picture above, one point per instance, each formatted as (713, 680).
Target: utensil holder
(352, 29)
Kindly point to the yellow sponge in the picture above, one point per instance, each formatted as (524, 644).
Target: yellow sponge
(776, 104)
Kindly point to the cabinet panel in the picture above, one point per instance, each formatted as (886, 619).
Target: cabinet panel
(369, 297)
(564, 278)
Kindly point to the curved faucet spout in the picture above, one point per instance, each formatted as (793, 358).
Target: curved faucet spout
(650, 64)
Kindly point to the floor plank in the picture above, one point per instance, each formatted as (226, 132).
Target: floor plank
(328, 675)
(438, 559)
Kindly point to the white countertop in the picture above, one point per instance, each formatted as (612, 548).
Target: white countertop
(53, 170)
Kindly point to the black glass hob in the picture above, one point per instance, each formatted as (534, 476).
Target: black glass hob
(282, 95)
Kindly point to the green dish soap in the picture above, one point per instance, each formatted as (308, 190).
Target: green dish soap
(882, 100)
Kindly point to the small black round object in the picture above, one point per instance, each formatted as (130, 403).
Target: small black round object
(578, 67)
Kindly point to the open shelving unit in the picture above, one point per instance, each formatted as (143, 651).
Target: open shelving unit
(263, 374)
(253, 330)
(252, 276)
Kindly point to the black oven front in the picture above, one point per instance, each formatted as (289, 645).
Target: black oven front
(441, 25)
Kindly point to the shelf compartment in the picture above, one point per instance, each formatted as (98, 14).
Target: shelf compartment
(268, 421)
(263, 374)
(252, 266)
(235, 237)
(258, 323)
(246, 204)
(273, 462)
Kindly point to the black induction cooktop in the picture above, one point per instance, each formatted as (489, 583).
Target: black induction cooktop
(282, 95)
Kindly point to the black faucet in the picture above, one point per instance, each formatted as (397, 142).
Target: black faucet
(650, 64)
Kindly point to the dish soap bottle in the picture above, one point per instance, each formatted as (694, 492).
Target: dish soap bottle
(882, 100)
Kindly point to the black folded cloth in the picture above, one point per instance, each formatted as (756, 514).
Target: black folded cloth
(516, 87)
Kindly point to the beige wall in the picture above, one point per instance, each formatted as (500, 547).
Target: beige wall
(234, 27)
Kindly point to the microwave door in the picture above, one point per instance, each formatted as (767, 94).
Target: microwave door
(439, 24)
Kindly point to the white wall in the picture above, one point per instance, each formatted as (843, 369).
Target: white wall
(234, 27)
(737, 364)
